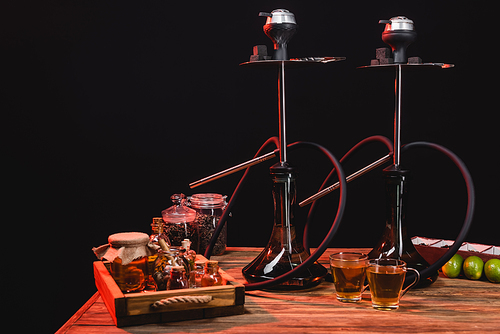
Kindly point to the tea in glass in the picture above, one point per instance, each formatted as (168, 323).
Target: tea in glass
(349, 272)
(386, 278)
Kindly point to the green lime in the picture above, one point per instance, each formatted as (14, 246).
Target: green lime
(453, 267)
(473, 267)
(492, 270)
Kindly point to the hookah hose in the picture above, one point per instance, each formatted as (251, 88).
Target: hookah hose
(362, 143)
(470, 204)
(326, 241)
(227, 210)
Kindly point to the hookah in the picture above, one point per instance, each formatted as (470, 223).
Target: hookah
(395, 243)
(286, 263)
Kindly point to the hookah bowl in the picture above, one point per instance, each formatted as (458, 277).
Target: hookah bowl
(399, 32)
(280, 27)
(284, 250)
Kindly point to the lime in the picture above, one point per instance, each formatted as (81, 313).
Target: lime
(473, 267)
(492, 270)
(453, 267)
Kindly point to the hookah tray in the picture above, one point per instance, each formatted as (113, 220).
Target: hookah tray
(128, 309)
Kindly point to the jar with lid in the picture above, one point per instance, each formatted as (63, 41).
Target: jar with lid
(211, 276)
(196, 274)
(178, 279)
(128, 253)
(179, 222)
(209, 209)
(165, 261)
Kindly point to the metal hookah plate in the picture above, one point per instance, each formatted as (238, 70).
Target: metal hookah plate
(423, 65)
(294, 62)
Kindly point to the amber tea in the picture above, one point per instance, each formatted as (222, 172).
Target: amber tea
(349, 272)
(385, 288)
(386, 278)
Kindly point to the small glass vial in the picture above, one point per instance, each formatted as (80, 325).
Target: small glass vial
(211, 276)
(209, 209)
(179, 222)
(178, 279)
(196, 274)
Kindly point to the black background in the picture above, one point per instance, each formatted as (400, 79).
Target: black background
(110, 107)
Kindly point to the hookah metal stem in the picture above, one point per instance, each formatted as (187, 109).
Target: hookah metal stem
(397, 119)
(350, 178)
(282, 113)
(234, 169)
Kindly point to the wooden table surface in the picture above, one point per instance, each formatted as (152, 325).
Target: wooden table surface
(447, 306)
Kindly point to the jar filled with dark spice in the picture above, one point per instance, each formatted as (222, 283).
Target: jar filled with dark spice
(209, 209)
(179, 222)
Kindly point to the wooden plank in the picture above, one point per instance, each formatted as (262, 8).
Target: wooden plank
(110, 293)
(78, 314)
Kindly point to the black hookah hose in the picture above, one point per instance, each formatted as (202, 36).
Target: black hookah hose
(377, 138)
(227, 210)
(471, 198)
(326, 241)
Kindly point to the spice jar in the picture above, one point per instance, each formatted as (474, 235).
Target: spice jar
(209, 209)
(179, 222)
(196, 274)
(211, 276)
(178, 279)
(128, 253)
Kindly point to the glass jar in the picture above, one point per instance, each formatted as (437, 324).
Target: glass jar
(178, 279)
(209, 209)
(165, 261)
(211, 276)
(179, 222)
(196, 274)
(128, 254)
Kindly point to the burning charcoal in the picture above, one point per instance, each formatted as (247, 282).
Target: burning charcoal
(385, 61)
(254, 58)
(414, 60)
(260, 50)
(374, 62)
(383, 53)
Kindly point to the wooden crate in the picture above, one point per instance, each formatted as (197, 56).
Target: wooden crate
(135, 308)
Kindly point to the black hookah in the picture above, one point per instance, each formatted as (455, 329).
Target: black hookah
(286, 261)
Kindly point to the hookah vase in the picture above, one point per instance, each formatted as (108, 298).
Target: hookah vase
(284, 250)
(395, 242)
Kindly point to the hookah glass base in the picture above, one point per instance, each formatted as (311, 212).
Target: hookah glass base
(395, 242)
(284, 250)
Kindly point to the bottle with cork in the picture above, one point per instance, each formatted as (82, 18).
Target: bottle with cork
(212, 276)
(157, 234)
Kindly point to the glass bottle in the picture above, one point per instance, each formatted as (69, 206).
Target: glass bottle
(284, 250)
(179, 222)
(165, 261)
(209, 209)
(395, 242)
(178, 279)
(211, 276)
(157, 234)
(196, 274)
